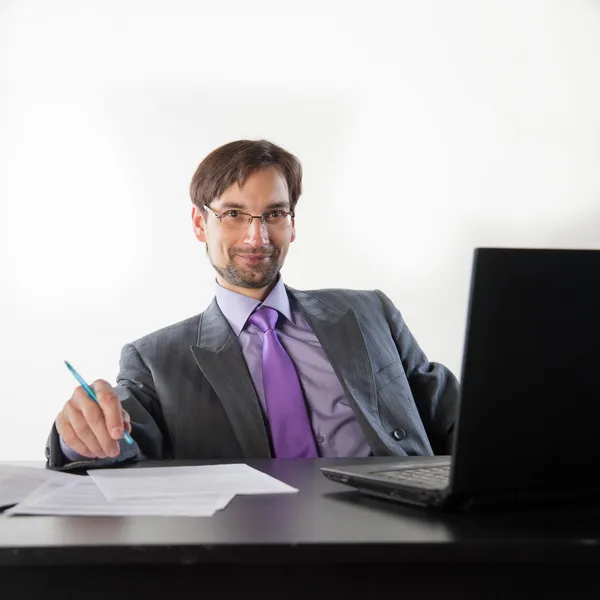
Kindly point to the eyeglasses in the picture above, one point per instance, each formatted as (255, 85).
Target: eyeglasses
(235, 219)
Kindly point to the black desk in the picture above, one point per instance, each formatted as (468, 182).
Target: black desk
(325, 541)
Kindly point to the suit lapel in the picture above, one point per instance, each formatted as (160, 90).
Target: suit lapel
(219, 357)
(342, 340)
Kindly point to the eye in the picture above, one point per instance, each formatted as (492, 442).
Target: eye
(274, 214)
(231, 214)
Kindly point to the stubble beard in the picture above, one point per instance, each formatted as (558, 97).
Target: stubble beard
(249, 276)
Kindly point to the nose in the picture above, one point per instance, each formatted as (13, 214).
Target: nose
(257, 234)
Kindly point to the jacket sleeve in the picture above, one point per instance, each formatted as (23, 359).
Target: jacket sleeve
(434, 387)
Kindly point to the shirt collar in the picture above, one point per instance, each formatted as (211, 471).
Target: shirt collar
(237, 308)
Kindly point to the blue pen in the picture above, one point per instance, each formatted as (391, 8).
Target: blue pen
(92, 395)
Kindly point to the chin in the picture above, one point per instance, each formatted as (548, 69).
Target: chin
(257, 282)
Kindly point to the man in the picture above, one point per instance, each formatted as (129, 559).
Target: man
(265, 370)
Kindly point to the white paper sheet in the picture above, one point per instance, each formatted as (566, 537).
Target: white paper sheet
(169, 482)
(82, 497)
(16, 482)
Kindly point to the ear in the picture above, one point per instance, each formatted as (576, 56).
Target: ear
(293, 226)
(199, 223)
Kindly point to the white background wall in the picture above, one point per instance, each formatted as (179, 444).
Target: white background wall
(425, 129)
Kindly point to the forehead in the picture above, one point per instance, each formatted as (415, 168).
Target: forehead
(263, 189)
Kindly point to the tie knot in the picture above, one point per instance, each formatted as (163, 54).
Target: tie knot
(264, 318)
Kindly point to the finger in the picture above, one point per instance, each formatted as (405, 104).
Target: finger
(76, 433)
(94, 421)
(126, 420)
(111, 406)
(68, 435)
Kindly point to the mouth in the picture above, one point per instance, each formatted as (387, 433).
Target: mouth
(254, 259)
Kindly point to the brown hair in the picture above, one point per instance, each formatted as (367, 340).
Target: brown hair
(235, 162)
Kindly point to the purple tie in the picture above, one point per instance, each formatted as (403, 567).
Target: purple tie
(288, 419)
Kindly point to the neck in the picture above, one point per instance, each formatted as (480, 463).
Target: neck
(257, 293)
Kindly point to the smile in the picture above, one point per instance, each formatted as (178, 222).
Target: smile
(254, 258)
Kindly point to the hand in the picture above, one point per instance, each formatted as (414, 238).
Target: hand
(91, 428)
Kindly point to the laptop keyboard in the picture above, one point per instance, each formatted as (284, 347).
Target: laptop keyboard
(429, 476)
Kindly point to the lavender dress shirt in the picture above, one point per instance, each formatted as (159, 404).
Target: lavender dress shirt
(336, 430)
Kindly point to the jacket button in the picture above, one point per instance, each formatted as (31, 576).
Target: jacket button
(398, 434)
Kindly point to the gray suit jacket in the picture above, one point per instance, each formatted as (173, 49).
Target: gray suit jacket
(190, 395)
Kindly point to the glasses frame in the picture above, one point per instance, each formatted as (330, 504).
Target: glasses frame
(288, 214)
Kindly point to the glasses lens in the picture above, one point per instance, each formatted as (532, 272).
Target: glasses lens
(277, 219)
(234, 220)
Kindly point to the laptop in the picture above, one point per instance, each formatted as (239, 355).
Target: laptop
(528, 427)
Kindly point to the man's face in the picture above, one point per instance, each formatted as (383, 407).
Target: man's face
(247, 260)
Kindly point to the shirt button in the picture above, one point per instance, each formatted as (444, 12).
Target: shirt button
(320, 439)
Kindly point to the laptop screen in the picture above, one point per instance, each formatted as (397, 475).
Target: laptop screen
(531, 371)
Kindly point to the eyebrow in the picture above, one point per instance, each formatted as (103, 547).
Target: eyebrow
(238, 206)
